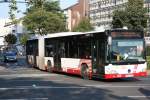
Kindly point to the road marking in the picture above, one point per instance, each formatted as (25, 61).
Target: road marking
(40, 87)
(27, 99)
(119, 86)
(26, 75)
(50, 80)
(34, 86)
(138, 96)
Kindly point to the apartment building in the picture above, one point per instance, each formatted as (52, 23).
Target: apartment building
(147, 6)
(6, 28)
(101, 11)
(75, 13)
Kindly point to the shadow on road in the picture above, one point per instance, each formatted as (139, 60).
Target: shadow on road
(145, 92)
(117, 80)
(32, 88)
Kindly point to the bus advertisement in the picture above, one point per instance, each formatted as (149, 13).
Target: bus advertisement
(104, 54)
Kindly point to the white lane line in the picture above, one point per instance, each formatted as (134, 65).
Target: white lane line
(34, 86)
(40, 87)
(49, 80)
(26, 75)
(119, 86)
(138, 96)
(27, 99)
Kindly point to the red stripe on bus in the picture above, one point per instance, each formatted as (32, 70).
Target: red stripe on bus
(111, 76)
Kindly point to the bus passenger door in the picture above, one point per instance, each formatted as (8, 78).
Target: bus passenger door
(60, 53)
(57, 57)
(57, 62)
(98, 59)
(94, 53)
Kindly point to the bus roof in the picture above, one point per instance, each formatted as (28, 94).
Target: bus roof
(63, 34)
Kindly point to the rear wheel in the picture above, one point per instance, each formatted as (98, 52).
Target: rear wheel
(85, 71)
(49, 65)
(5, 60)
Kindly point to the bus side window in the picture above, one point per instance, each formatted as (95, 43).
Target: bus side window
(62, 50)
(85, 50)
(73, 49)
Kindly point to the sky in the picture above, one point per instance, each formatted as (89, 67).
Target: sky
(4, 9)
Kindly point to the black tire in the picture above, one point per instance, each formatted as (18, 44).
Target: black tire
(5, 60)
(49, 65)
(85, 72)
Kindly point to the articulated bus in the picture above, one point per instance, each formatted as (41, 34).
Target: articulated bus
(106, 54)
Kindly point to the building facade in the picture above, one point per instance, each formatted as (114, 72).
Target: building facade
(75, 13)
(6, 28)
(147, 6)
(101, 12)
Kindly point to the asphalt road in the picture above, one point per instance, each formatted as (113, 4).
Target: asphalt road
(18, 81)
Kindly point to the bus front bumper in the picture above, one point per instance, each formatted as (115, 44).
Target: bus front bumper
(112, 76)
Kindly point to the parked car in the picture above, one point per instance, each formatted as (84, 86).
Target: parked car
(10, 56)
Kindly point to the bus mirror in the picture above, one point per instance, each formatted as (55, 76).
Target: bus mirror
(109, 40)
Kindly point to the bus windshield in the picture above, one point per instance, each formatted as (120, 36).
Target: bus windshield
(127, 50)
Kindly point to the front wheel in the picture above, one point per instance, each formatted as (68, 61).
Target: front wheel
(85, 72)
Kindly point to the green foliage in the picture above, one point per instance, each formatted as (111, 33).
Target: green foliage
(23, 39)
(148, 56)
(34, 5)
(52, 6)
(10, 39)
(118, 19)
(12, 10)
(43, 22)
(48, 5)
(83, 26)
(147, 50)
(44, 17)
(148, 62)
(133, 16)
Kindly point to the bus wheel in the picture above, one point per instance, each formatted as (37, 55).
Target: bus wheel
(49, 65)
(84, 71)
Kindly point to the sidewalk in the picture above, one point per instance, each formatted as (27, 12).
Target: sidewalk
(2, 68)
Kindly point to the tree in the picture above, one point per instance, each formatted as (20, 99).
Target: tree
(10, 39)
(23, 39)
(48, 5)
(44, 17)
(118, 19)
(133, 16)
(12, 11)
(83, 26)
(52, 6)
(43, 22)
